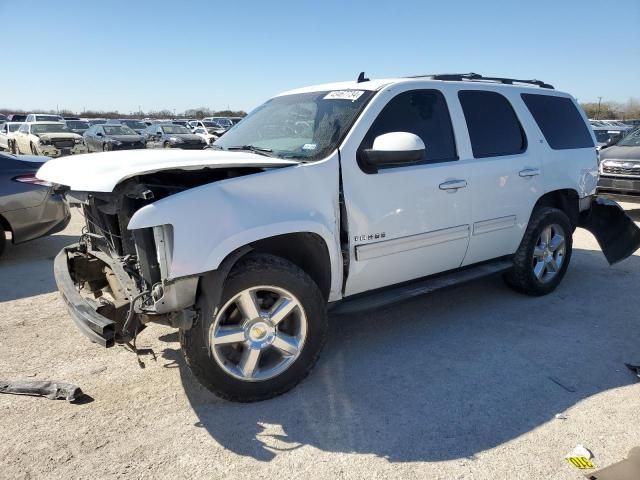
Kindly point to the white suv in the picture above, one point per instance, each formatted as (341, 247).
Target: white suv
(348, 195)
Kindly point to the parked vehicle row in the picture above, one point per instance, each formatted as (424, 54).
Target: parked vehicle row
(34, 133)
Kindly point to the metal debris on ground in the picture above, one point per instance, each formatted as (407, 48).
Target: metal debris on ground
(628, 469)
(561, 416)
(42, 388)
(580, 457)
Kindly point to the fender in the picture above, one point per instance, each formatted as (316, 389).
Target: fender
(211, 221)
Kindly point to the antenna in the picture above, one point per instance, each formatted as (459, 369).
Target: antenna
(362, 78)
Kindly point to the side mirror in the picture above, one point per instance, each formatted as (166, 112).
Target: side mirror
(393, 149)
(99, 134)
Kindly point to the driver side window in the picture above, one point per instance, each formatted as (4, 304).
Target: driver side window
(423, 113)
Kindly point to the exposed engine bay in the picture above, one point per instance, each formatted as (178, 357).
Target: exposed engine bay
(121, 273)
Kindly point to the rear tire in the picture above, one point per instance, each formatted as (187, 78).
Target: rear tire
(286, 347)
(542, 259)
(16, 148)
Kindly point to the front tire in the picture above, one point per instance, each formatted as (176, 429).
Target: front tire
(266, 336)
(34, 149)
(542, 259)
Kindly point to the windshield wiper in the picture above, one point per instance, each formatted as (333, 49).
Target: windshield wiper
(252, 148)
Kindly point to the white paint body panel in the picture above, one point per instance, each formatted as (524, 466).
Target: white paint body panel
(426, 230)
(213, 220)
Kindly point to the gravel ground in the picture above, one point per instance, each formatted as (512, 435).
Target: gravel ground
(461, 384)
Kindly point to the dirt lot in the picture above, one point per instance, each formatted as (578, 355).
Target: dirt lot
(462, 384)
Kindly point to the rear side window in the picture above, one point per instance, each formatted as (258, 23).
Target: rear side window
(562, 125)
(423, 113)
(493, 127)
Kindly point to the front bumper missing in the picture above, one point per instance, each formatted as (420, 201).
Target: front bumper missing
(616, 233)
(53, 151)
(96, 327)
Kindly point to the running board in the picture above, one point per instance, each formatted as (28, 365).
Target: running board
(398, 293)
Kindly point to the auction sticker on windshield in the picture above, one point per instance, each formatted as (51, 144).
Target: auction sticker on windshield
(352, 95)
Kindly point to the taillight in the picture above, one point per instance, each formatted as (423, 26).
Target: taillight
(32, 179)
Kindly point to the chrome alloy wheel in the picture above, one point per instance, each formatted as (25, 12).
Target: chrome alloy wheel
(549, 253)
(259, 333)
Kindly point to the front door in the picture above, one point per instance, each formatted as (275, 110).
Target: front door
(407, 221)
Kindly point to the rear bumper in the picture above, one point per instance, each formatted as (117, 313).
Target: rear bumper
(96, 327)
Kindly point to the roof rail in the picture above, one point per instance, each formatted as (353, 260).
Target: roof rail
(475, 77)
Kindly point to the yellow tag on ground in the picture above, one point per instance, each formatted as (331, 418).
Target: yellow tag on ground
(580, 462)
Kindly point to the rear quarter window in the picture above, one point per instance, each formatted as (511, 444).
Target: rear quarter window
(559, 120)
(494, 128)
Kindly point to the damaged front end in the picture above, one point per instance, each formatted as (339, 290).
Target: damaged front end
(116, 280)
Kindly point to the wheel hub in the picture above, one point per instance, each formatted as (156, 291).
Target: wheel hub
(259, 333)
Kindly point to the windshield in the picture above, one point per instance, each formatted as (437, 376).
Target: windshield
(223, 122)
(605, 136)
(305, 125)
(118, 130)
(48, 118)
(49, 128)
(77, 124)
(173, 129)
(14, 127)
(631, 140)
(134, 124)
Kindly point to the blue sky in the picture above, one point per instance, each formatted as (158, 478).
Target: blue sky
(180, 54)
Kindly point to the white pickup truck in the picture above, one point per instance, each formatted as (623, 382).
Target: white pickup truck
(340, 196)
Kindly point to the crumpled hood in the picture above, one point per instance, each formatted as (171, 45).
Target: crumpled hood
(101, 172)
(49, 136)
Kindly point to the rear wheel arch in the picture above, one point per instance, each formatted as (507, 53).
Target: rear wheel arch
(566, 200)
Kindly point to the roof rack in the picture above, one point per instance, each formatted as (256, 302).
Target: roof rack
(475, 77)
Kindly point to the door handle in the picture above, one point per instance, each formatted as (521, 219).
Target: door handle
(453, 184)
(529, 172)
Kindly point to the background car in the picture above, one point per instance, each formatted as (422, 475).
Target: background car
(97, 121)
(77, 126)
(168, 135)
(107, 137)
(7, 132)
(608, 135)
(17, 117)
(3, 117)
(135, 125)
(620, 169)
(220, 122)
(43, 117)
(52, 139)
(28, 207)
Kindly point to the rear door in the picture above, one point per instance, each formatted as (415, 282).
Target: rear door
(505, 171)
(411, 220)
